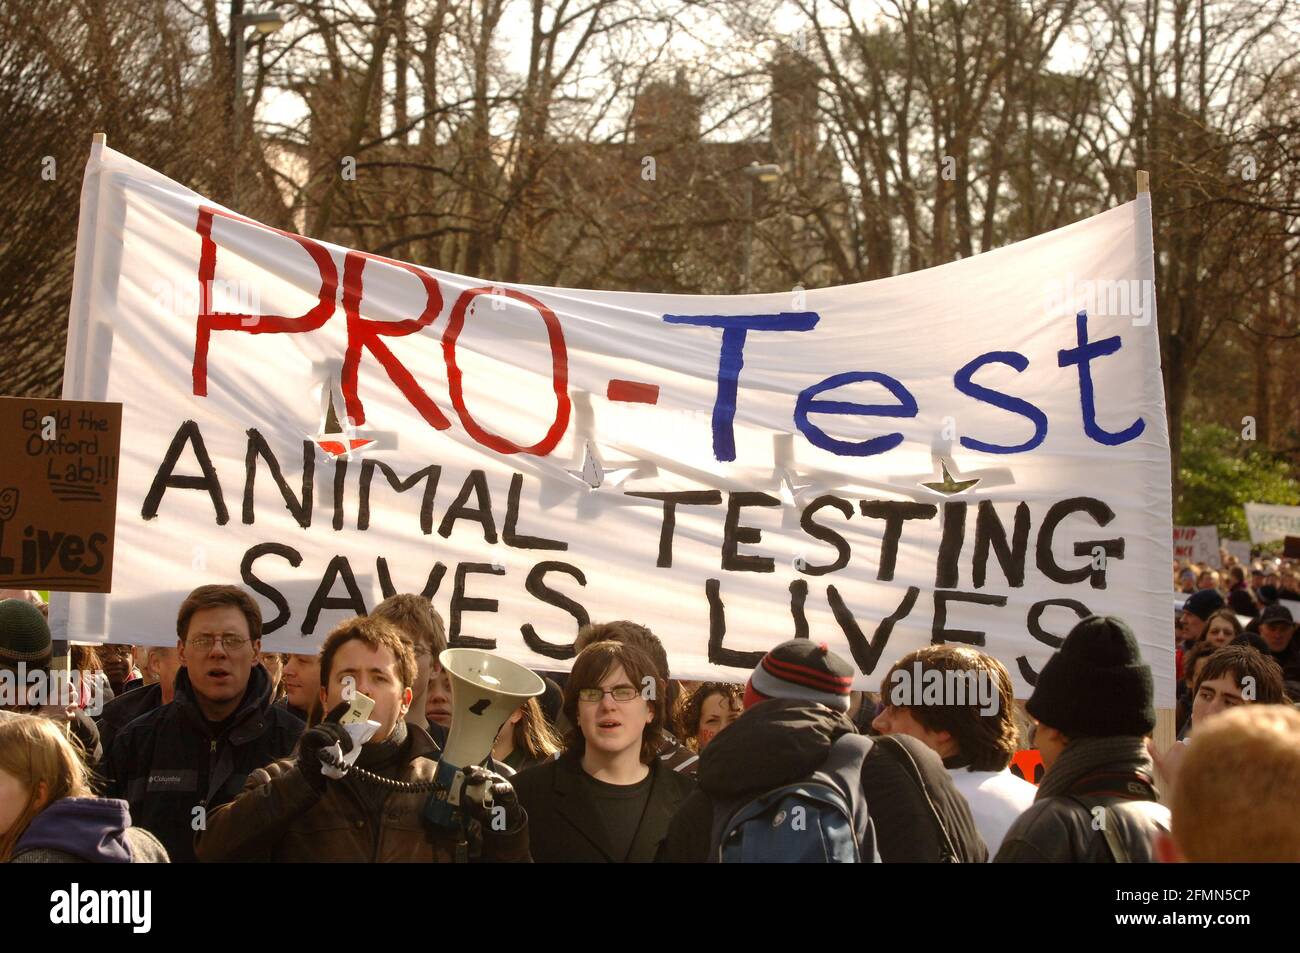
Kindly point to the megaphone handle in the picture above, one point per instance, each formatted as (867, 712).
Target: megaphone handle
(456, 791)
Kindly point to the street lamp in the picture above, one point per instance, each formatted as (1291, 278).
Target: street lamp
(265, 24)
(763, 173)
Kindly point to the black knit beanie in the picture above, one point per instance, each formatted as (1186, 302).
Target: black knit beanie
(1096, 685)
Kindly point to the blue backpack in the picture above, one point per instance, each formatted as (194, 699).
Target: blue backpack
(820, 820)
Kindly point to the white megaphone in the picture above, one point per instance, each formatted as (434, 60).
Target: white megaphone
(485, 691)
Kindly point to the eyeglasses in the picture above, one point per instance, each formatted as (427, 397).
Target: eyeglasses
(230, 643)
(623, 693)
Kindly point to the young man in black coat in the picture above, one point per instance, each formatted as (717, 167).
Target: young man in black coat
(1093, 705)
(795, 711)
(181, 760)
(608, 798)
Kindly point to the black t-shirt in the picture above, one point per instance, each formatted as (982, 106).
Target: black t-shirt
(620, 807)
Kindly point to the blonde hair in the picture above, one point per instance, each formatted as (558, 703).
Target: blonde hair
(34, 751)
(533, 734)
(1234, 800)
(416, 619)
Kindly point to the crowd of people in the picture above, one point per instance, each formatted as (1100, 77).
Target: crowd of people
(215, 750)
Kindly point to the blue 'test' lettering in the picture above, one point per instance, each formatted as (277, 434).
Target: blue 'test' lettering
(732, 358)
(1083, 355)
(962, 381)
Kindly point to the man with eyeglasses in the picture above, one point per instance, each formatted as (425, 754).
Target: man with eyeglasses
(609, 797)
(119, 665)
(181, 760)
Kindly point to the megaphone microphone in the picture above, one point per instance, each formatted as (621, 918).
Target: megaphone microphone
(485, 691)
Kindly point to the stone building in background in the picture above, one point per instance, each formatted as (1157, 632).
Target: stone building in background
(663, 208)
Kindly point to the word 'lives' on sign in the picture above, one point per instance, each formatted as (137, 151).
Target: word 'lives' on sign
(58, 493)
(962, 454)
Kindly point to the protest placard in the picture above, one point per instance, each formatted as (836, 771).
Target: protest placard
(58, 493)
(974, 453)
(1239, 549)
(1197, 544)
(1269, 522)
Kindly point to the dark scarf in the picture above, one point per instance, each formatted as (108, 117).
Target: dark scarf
(377, 754)
(1121, 755)
(386, 758)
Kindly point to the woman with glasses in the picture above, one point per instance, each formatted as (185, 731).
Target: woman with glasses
(607, 798)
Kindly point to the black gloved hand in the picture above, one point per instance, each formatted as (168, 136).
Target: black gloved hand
(490, 799)
(316, 739)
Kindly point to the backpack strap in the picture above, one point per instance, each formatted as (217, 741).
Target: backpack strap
(904, 757)
(1113, 840)
(844, 761)
(1114, 843)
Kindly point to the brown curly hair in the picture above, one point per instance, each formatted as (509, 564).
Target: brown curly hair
(693, 707)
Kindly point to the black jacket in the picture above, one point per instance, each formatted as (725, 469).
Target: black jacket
(564, 826)
(780, 742)
(1066, 828)
(280, 817)
(166, 763)
(1289, 660)
(125, 709)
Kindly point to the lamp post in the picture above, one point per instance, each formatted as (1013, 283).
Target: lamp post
(763, 173)
(265, 24)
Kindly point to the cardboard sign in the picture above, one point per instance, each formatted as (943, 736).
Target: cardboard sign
(58, 493)
(1198, 544)
(974, 453)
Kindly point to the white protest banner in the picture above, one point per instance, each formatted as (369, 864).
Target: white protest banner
(964, 454)
(1198, 544)
(1268, 522)
(1239, 549)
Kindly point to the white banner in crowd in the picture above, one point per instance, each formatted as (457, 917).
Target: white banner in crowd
(1268, 522)
(1240, 549)
(1198, 544)
(972, 454)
